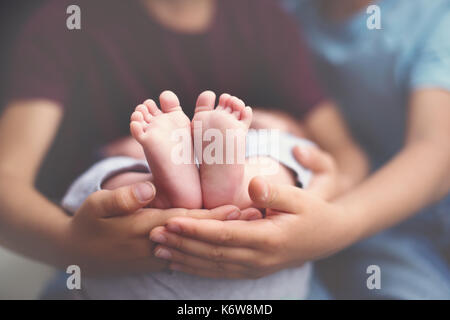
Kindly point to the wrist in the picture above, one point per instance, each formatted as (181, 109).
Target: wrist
(63, 243)
(343, 185)
(346, 182)
(352, 217)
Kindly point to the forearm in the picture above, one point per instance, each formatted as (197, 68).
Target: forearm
(415, 178)
(30, 224)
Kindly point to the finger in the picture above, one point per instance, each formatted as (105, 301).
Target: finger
(227, 233)
(279, 197)
(122, 201)
(192, 247)
(313, 158)
(251, 214)
(176, 257)
(221, 213)
(225, 213)
(145, 220)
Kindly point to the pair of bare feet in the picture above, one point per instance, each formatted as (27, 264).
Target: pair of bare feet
(184, 185)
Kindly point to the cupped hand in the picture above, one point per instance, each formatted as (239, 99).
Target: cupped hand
(325, 181)
(109, 233)
(299, 227)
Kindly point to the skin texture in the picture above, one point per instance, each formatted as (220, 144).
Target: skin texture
(223, 183)
(291, 234)
(178, 183)
(224, 249)
(336, 170)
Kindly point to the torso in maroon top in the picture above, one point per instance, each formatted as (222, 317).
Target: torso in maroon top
(121, 57)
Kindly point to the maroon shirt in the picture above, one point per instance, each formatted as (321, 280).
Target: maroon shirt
(121, 57)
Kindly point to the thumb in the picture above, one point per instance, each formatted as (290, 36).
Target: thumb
(284, 198)
(121, 201)
(314, 159)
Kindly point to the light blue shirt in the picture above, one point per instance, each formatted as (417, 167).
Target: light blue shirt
(371, 73)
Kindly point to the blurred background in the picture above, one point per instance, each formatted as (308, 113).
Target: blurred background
(20, 278)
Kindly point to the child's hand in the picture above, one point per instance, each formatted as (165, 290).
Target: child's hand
(109, 234)
(299, 227)
(325, 182)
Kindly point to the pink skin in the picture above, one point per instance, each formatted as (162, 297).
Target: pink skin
(223, 183)
(178, 185)
(184, 185)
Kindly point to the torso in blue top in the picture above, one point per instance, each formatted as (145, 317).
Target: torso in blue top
(370, 73)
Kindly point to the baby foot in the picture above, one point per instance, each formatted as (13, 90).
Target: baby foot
(222, 161)
(175, 175)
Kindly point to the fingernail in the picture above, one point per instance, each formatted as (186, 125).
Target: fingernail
(235, 215)
(163, 254)
(265, 191)
(158, 238)
(173, 228)
(255, 216)
(144, 191)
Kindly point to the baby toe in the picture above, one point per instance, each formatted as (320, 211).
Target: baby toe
(237, 106)
(169, 102)
(205, 101)
(152, 107)
(144, 111)
(137, 116)
(223, 100)
(137, 129)
(247, 116)
(229, 103)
